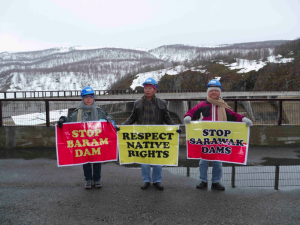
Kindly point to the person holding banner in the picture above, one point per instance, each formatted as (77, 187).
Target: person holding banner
(213, 109)
(87, 111)
(147, 111)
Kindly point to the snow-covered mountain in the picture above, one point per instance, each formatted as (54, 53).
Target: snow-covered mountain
(71, 69)
(75, 67)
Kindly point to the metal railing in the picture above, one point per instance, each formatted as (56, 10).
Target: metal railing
(46, 112)
(76, 93)
(249, 176)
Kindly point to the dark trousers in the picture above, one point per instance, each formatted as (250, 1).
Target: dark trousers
(92, 175)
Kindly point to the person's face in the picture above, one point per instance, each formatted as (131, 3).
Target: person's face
(214, 94)
(149, 92)
(88, 101)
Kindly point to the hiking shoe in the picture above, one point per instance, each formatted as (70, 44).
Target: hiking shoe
(98, 184)
(159, 186)
(88, 184)
(217, 186)
(202, 185)
(145, 185)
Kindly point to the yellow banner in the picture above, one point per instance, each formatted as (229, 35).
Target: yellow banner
(148, 144)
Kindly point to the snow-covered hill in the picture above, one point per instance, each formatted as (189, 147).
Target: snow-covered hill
(75, 67)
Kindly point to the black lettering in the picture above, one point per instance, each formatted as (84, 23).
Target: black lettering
(205, 149)
(160, 136)
(192, 141)
(133, 136)
(212, 131)
(143, 154)
(147, 135)
(158, 144)
(146, 144)
(170, 134)
(151, 153)
(151, 143)
(126, 136)
(159, 154)
(199, 142)
(231, 142)
(227, 132)
(214, 141)
(154, 136)
(228, 150)
(130, 145)
(220, 149)
(239, 142)
(166, 144)
(138, 145)
(212, 150)
(130, 153)
(205, 132)
(222, 141)
(166, 154)
(141, 136)
(220, 132)
(206, 141)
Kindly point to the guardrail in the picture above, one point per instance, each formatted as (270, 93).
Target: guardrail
(279, 109)
(76, 93)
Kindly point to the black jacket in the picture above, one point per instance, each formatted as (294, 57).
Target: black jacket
(161, 113)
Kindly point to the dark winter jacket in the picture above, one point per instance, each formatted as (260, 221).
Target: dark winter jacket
(207, 110)
(161, 113)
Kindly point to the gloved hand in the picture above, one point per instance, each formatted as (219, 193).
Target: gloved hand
(178, 131)
(187, 119)
(247, 121)
(117, 128)
(61, 120)
(108, 118)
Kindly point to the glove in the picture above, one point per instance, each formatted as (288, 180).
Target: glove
(247, 121)
(117, 128)
(187, 119)
(178, 131)
(109, 118)
(61, 120)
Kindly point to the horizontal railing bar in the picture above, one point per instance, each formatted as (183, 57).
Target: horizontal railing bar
(120, 99)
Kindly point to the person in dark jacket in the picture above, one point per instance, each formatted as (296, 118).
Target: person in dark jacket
(87, 111)
(213, 109)
(150, 110)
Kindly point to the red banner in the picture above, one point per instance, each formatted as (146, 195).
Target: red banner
(218, 141)
(80, 143)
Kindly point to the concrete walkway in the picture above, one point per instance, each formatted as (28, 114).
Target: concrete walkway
(33, 190)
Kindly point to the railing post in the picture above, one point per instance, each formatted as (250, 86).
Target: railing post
(4, 95)
(276, 178)
(1, 122)
(47, 113)
(187, 171)
(280, 113)
(189, 104)
(235, 106)
(15, 94)
(233, 177)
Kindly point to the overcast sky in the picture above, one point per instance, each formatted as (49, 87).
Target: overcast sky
(27, 25)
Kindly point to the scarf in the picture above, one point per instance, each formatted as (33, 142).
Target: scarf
(88, 109)
(221, 108)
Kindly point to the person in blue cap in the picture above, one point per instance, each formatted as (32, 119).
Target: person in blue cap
(150, 110)
(87, 110)
(213, 109)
